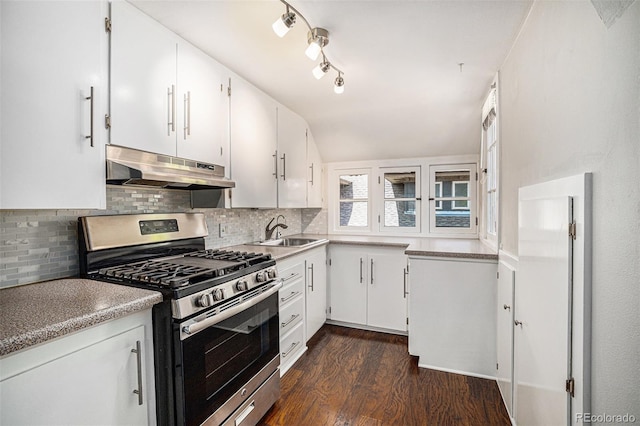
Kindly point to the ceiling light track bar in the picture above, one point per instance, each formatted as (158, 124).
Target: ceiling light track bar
(317, 38)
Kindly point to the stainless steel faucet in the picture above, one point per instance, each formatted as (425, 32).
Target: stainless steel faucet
(268, 232)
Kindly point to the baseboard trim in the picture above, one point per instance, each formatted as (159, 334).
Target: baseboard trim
(366, 327)
(450, 370)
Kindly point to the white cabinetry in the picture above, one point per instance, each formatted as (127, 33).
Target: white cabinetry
(292, 153)
(52, 55)
(452, 319)
(89, 377)
(166, 95)
(291, 311)
(314, 182)
(316, 298)
(253, 146)
(367, 286)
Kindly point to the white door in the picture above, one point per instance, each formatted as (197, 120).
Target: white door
(543, 312)
(53, 53)
(504, 334)
(292, 159)
(348, 280)
(94, 385)
(143, 81)
(201, 108)
(253, 130)
(316, 313)
(387, 303)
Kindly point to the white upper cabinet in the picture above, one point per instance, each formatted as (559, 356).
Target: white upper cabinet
(314, 170)
(166, 95)
(52, 55)
(292, 153)
(143, 81)
(254, 162)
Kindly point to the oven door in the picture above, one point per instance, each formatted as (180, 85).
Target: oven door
(223, 358)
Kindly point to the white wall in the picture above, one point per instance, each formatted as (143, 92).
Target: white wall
(570, 103)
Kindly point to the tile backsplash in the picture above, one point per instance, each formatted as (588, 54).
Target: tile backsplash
(40, 245)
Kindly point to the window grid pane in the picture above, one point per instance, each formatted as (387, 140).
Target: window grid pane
(452, 199)
(399, 196)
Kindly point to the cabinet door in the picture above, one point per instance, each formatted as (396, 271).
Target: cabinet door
(91, 386)
(143, 81)
(201, 106)
(316, 292)
(386, 299)
(314, 181)
(348, 279)
(52, 53)
(253, 146)
(292, 158)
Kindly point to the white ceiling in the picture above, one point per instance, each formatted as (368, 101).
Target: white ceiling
(405, 95)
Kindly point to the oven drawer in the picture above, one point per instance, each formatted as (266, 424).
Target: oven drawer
(291, 314)
(257, 404)
(291, 346)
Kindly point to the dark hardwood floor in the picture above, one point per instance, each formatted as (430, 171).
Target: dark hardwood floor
(352, 377)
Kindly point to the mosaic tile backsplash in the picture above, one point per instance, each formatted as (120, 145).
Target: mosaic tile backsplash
(40, 245)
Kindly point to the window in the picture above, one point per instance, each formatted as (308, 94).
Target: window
(354, 200)
(489, 181)
(400, 199)
(452, 203)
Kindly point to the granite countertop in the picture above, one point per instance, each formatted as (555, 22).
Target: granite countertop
(35, 313)
(456, 248)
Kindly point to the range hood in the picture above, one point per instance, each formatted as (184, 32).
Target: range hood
(127, 166)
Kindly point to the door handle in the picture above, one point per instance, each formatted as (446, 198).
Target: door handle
(138, 353)
(187, 115)
(91, 99)
(284, 166)
(371, 271)
(311, 269)
(171, 109)
(360, 270)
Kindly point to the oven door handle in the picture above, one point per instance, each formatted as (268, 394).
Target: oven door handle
(189, 330)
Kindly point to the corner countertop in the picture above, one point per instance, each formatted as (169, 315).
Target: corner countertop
(35, 313)
(455, 248)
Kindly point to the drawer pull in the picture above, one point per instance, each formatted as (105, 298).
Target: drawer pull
(289, 297)
(291, 348)
(290, 320)
(293, 275)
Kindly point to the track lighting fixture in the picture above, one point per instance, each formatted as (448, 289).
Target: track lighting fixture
(339, 85)
(284, 23)
(317, 38)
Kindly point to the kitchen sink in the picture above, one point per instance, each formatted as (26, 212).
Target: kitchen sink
(287, 242)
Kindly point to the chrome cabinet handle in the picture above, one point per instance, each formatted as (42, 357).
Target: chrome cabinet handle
(406, 273)
(311, 269)
(171, 109)
(289, 297)
(138, 353)
(507, 307)
(371, 271)
(293, 275)
(290, 349)
(360, 270)
(90, 98)
(275, 160)
(187, 115)
(289, 321)
(284, 166)
(516, 322)
(311, 167)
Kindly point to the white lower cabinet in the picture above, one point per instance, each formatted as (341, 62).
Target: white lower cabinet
(102, 375)
(291, 311)
(452, 318)
(316, 297)
(367, 286)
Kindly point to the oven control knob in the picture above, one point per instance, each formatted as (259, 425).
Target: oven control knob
(261, 277)
(271, 273)
(242, 285)
(217, 294)
(204, 301)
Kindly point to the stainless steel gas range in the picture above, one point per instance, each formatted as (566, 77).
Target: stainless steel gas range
(216, 342)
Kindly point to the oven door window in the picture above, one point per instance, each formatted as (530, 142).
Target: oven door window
(218, 361)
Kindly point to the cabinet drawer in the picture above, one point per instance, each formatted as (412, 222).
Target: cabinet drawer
(290, 273)
(291, 345)
(288, 293)
(291, 314)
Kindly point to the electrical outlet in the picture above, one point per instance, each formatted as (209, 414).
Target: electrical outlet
(223, 229)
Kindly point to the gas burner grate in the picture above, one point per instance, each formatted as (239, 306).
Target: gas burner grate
(162, 273)
(232, 256)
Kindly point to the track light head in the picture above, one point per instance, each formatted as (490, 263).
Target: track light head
(317, 39)
(339, 85)
(284, 23)
(320, 70)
